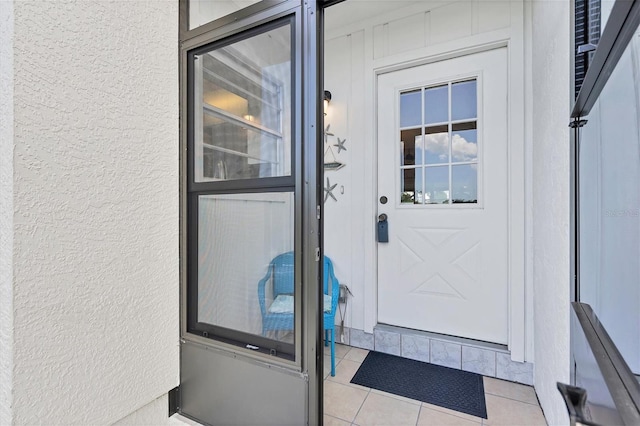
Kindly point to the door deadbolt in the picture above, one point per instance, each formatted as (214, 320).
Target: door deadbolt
(383, 200)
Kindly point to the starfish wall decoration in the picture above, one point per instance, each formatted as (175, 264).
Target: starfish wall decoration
(330, 161)
(327, 133)
(328, 191)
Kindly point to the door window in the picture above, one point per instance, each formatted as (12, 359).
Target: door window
(439, 144)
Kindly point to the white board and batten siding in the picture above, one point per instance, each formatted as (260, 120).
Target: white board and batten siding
(384, 38)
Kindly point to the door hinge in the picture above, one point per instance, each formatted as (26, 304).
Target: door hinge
(317, 254)
(576, 124)
(318, 212)
(585, 48)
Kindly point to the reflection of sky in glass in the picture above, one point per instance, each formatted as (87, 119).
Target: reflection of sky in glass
(463, 100)
(436, 105)
(436, 185)
(436, 148)
(464, 145)
(464, 183)
(410, 109)
(419, 151)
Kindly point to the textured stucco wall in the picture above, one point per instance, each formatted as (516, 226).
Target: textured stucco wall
(95, 191)
(551, 215)
(154, 413)
(6, 210)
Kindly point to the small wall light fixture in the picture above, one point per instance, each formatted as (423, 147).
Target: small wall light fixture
(327, 99)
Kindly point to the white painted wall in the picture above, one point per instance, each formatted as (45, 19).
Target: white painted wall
(345, 233)
(550, 59)
(95, 209)
(6, 211)
(361, 42)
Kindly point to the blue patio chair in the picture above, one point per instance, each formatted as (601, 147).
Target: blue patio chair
(278, 315)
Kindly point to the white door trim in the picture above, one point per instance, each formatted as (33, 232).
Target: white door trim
(520, 299)
(516, 172)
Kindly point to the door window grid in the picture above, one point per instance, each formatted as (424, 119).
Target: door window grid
(425, 163)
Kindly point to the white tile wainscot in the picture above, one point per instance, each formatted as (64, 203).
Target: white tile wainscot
(484, 358)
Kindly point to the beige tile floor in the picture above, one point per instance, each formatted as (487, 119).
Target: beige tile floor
(348, 404)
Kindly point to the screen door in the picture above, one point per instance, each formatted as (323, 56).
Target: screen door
(250, 325)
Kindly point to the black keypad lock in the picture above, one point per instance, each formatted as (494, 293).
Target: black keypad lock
(383, 229)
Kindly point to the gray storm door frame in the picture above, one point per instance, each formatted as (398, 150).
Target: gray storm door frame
(205, 362)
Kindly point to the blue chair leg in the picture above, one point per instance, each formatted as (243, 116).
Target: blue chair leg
(333, 353)
(326, 337)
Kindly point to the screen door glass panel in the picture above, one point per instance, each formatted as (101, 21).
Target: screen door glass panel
(239, 287)
(609, 172)
(244, 93)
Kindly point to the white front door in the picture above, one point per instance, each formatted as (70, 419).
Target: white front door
(442, 182)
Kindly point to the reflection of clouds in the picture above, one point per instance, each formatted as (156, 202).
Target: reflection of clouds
(436, 144)
(461, 149)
